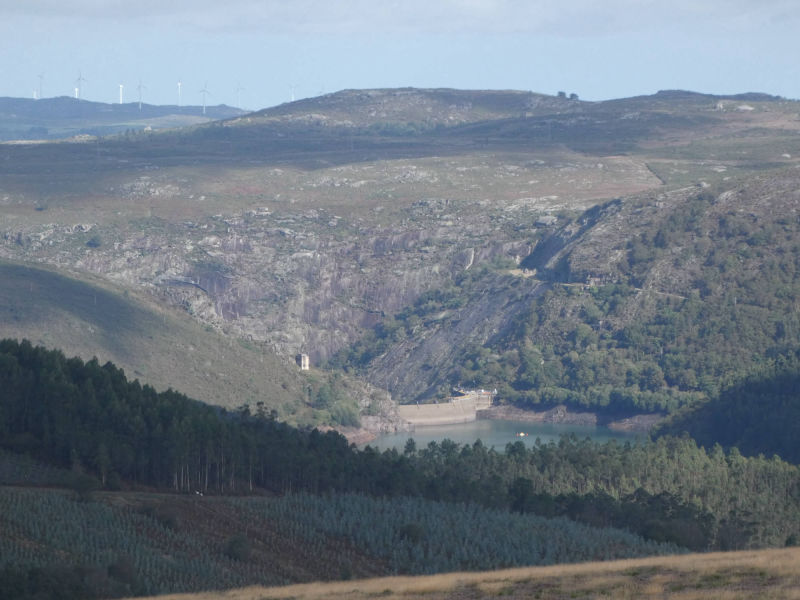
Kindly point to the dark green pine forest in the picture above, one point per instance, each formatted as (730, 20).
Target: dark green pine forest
(85, 427)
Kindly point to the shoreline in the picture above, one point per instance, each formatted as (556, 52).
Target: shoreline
(640, 423)
(372, 427)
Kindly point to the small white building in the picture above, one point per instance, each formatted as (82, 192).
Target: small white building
(302, 361)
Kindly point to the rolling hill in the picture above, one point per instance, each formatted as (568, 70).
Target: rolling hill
(65, 117)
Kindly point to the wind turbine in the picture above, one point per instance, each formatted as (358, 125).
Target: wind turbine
(41, 77)
(239, 90)
(139, 88)
(180, 83)
(78, 85)
(293, 87)
(204, 91)
(120, 93)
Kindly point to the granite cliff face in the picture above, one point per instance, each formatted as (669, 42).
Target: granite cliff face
(301, 281)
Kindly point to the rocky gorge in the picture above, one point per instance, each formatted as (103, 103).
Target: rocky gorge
(302, 230)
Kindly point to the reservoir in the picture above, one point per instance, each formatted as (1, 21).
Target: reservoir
(498, 433)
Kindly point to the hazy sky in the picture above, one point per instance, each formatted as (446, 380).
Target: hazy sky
(269, 50)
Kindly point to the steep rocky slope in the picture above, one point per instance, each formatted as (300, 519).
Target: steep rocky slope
(651, 301)
(310, 272)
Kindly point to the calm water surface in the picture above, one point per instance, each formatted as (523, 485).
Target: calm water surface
(497, 433)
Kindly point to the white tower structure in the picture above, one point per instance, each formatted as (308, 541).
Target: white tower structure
(204, 92)
(139, 88)
(78, 83)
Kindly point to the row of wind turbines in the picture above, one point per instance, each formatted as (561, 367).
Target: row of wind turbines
(37, 94)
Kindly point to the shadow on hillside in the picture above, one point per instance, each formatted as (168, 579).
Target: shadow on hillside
(35, 296)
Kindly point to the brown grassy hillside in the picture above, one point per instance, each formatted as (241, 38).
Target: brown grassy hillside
(761, 574)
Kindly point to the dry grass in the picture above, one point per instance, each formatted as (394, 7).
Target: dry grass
(749, 574)
(86, 316)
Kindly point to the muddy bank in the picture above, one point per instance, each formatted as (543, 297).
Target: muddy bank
(637, 423)
(373, 426)
(561, 414)
(558, 414)
(355, 435)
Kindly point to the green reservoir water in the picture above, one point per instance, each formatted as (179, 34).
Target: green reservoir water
(497, 434)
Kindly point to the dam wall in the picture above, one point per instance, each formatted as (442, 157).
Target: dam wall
(460, 409)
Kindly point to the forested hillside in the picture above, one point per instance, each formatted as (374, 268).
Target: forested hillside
(89, 418)
(642, 305)
(758, 415)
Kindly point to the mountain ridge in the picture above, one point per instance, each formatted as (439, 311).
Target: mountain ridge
(64, 117)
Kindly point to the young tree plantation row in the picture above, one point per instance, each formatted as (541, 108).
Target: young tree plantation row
(136, 552)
